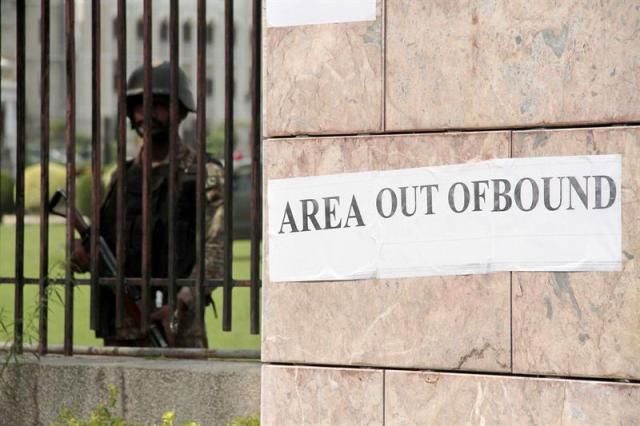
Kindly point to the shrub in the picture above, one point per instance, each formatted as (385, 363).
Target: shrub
(215, 139)
(7, 204)
(252, 420)
(103, 415)
(57, 176)
(57, 179)
(84, 192)
(107, 171)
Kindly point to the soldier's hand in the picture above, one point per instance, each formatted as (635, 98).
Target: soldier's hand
(185, 299)
(163, 317)
(184, 309)
(79, 257)
(171, 322)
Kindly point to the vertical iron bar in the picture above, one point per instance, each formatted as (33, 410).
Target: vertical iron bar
(71, 171)
(256, 178)
(20, 164)
(146, 169)
(121, 154)
(200, 145)
(228, 164)
(44, 174)
(173, 142)
(96, 160)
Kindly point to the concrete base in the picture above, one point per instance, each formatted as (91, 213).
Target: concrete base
(33, 392)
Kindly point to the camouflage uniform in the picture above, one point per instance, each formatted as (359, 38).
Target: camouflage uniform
(189, 334)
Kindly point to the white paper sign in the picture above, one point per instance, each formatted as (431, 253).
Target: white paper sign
(528, 214)
(286, 13)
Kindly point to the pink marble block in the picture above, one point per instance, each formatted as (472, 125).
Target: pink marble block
(505, 63)
(583, 323)
(457, 322)
(323, 79)
(299, 396)
(422, 398)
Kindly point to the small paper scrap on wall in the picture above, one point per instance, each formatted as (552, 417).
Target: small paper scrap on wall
(288, 13)
(525, 214)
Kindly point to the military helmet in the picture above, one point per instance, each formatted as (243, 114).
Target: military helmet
(160, 85)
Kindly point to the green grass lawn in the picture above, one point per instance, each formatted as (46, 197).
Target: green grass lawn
(238, 338)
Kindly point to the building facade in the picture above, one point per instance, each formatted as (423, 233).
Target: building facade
(160, 46)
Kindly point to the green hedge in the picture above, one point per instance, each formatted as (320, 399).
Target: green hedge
(83, 192)
(107, 172)
(57, 179)
(7, 205)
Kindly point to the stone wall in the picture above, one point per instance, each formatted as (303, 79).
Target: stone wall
(34, 392)
(444, 82)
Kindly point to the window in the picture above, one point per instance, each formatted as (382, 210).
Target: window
(2, 115)
(235, 33)
(186, 32)
(140, 29)
(115, 76)
(209, 87)
(210, 29)
(164, 30)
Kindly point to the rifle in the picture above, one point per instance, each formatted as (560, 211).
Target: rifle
(58, 207)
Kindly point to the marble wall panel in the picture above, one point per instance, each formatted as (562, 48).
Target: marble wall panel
(479, 64)
(324, 79)
(321, 396)
(420, 398)
(437, 322)
(583, 324)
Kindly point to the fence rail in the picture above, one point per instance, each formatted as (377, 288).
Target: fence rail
(145, 281)
(240, 354)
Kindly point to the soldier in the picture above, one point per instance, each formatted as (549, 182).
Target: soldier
(189, 333)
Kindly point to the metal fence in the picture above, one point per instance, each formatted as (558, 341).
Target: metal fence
(145, 281)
